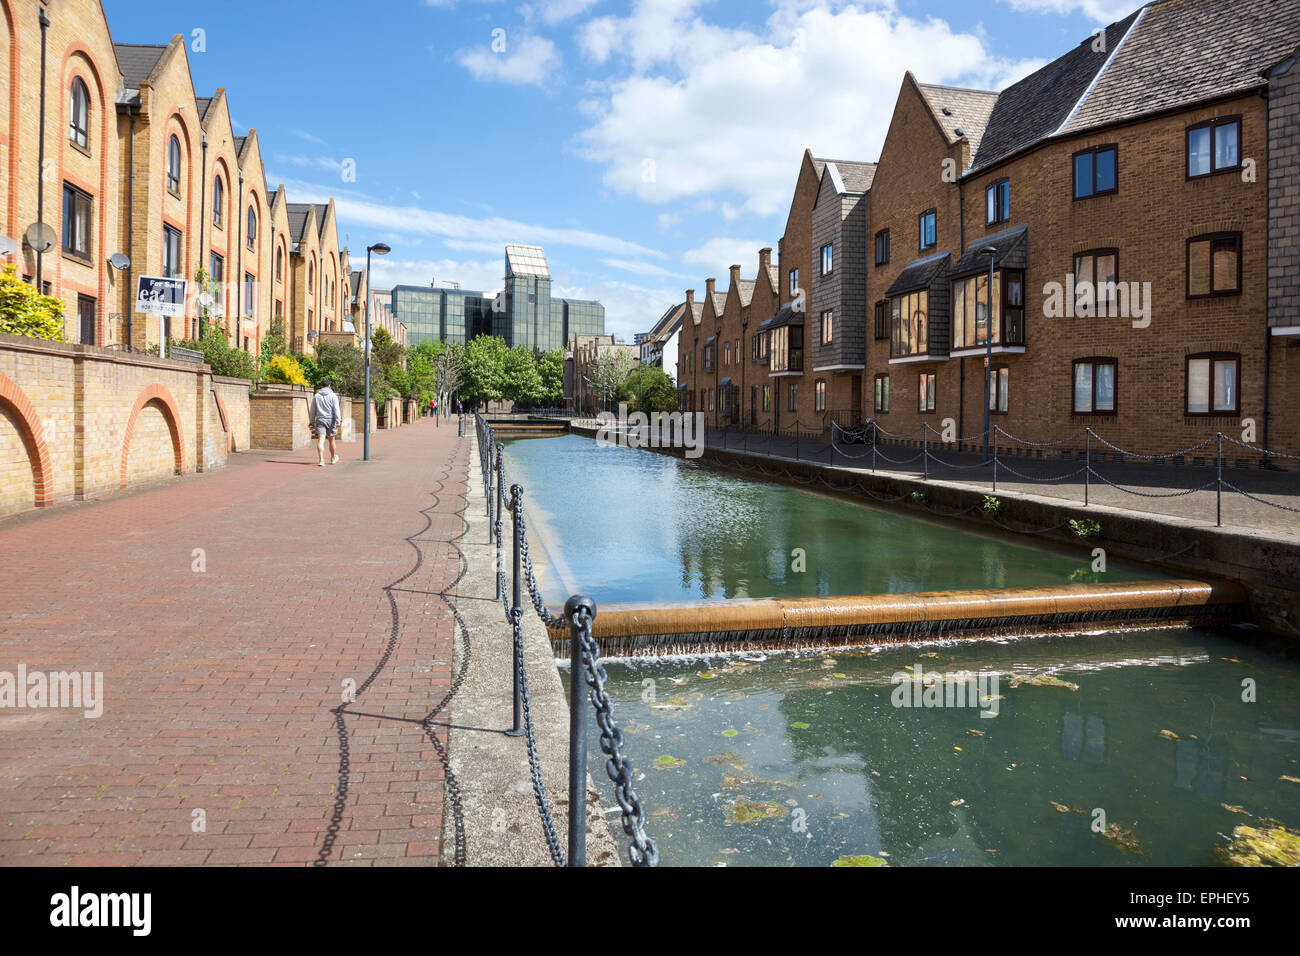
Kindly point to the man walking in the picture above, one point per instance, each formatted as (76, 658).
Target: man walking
(325, 418)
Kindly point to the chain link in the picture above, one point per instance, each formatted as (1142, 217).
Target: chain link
(642, 851)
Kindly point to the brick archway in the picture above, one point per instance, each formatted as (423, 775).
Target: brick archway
(159, 394)
(14, 400)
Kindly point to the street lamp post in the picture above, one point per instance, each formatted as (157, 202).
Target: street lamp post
(992, 253)
(381, 249)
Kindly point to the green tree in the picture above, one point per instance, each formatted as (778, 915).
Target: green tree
(551, 367)
(522, 382)
(483, 369)
(24, 311)
(654, 385)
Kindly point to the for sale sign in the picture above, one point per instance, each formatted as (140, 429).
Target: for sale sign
(156, 295)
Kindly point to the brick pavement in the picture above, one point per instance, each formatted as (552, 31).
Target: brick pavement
(220, 685)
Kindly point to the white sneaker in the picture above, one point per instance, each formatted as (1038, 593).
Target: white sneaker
(334, 460)
(320, 464)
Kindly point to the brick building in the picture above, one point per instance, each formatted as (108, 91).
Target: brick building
(1139, 201)
(136, 164)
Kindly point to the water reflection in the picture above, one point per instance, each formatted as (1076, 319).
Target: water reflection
(624, 524)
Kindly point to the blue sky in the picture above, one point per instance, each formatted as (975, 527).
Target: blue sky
(646, 144)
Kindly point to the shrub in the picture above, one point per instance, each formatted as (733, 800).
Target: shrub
(24, 311)
(217, 352)
(1085, 527)
(285, 370)
(992, 506)
(919, 498)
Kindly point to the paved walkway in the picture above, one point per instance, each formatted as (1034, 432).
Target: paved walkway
(219, 742)
(1273, 511)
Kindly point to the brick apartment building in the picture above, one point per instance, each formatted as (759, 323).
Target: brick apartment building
(136, 163)
(1139, 198)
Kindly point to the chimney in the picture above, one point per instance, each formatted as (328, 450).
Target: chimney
(708, 287)
(690, 298)
(735, 275)
(764, 260)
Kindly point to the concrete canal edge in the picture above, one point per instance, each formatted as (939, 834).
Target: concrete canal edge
(1268, 567)
(501, 820)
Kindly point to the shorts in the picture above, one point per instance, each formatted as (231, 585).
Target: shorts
(320, 428)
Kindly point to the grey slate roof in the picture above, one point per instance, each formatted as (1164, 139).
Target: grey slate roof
(745, 289)
(239, 144)
(961, 112)
(321, 209)
(298, 215)
(203, 103)
(919, 274)
(137, 61)
(855, 176)
(355, 280)
(1012, 247)
(787, 316)
(1186, 51)
(1033, 109)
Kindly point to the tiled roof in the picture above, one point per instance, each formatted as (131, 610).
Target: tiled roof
(919, 274)
(1186, 51)
(355, 279)
(669, 322)
(774, 277)
(719, 303)
(787, 316)
(1033, 109)
(1012, 252)
(855, 177)
(321, 209)
(137, 61)
(239, 144)
(270, 197)
(203, 103)
(697, 312)
(745, 289)
(298, 212)
(961, 112)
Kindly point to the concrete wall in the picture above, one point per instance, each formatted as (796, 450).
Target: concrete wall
(78, 420)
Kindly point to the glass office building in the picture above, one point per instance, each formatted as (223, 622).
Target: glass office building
(525, 315)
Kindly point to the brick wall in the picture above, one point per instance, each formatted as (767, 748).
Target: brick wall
(79, 421)
(279, 419)
(1284, 194)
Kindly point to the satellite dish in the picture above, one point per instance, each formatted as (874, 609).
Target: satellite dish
(119, 261)
(7, 246)
(40, 237)
(205, 299)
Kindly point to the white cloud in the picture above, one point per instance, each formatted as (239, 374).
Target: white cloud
(1104, 12)
(526, 60)
(720, 254)
(481, 276)
(555, 11)
(357, 209)
(723, 111)
(629, 308)
(301, 161)
(304, 135)
(641, 268)
(667, 220)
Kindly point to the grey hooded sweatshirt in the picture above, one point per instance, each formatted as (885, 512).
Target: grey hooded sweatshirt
(325, 407)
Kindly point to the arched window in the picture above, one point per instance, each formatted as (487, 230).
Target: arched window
(252, 227)
(279, 264)
(79, 114)
(311, 278)
(218, 200)
(174, 164)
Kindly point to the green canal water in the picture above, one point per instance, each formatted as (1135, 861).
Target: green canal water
(625, 524)
(1117, 749)
(806, 760)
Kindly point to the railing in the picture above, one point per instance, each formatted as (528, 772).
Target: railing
(867, 438)
(587, 677)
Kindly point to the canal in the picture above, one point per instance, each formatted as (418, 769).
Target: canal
(1172, 746)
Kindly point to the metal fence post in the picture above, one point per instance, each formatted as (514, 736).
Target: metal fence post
(994, 436)
(925, 451)
(874, 428)
(517, 609)
(1218, 491)
(500, 481)
(1087, 463)
(577, 732)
